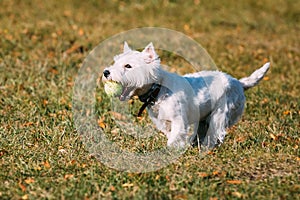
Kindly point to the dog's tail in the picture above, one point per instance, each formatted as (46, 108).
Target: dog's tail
(255, 77)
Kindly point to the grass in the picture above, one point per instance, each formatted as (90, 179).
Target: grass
(42, 46)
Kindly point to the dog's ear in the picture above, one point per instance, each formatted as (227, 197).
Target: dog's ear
(126, 48)
(150, 53)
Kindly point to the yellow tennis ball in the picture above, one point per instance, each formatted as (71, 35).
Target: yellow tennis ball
(112, 88)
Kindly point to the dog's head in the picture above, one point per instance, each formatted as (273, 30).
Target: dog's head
(135, 70)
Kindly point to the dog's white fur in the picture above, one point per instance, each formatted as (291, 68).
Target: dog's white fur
(211, 101)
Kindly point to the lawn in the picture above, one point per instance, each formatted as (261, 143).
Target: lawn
(42, 47)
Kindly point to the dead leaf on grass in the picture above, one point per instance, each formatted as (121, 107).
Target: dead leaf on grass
(287, 112)
(47, 164)
(23, 187)
(75, 47)
(69, 176)
(29, 180)
(241, 139)
(27, 124)
(83, 165)
(168, 178)
(112, 188)
(237, 194)
(53, 71)
(37, 168)
(202, 174)
(73, 162)
(273, 136)
(81, 32)
(3, 152)
(186, 27)
(234, 181)
(215, 173)
(264, 101)
(70, 83)
(266, 78)
(45, 102)
(101, 123)
(127, 185)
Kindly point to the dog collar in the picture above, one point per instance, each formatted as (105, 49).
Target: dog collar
(149, 97)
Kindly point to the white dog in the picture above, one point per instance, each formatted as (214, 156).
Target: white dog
(210, 101)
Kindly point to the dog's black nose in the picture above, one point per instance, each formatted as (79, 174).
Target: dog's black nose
(106, 73)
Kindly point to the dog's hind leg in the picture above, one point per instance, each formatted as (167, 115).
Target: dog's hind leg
(200, 133)
(216, 128)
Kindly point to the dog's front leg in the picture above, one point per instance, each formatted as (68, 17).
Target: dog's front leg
(178, 136)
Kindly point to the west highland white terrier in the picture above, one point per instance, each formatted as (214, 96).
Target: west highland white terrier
(208, 101)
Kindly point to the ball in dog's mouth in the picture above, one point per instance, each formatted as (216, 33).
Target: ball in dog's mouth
(113, 89)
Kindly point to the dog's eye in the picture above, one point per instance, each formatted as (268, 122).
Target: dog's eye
(127, 66)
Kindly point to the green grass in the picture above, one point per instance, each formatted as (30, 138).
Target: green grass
(42, 46)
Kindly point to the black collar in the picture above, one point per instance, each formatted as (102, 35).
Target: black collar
(149, 97)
